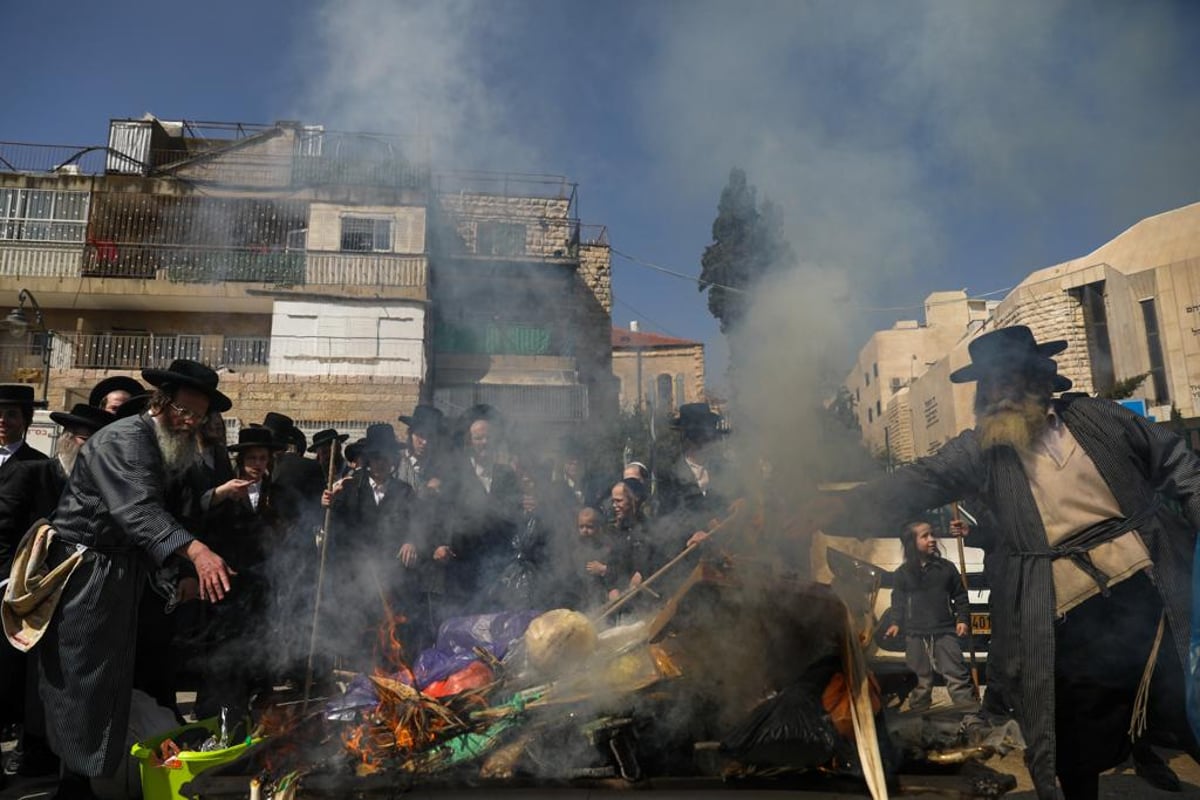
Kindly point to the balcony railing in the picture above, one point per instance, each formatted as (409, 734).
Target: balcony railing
(191, 263)
(142, 351)
(528, 403)
(39, 260)
(365, 269)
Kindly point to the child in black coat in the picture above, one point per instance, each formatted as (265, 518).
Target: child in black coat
(929, 607)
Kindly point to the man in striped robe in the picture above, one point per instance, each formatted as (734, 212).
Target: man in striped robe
(115, 508)
(1097, 511)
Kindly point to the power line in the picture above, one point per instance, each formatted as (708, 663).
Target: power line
(696, 280)
(649, 319)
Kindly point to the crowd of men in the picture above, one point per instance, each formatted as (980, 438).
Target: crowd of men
(1092, 515)
(163, 558)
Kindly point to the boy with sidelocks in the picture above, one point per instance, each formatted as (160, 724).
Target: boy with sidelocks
(929, 606)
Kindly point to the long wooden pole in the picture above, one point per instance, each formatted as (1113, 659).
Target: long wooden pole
(629, 594)
(962, 575)
(312, 639)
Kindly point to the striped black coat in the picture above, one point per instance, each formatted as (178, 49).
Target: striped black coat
(116, 505)
(1137, 460)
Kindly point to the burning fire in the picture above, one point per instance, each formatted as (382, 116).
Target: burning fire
(405, 720)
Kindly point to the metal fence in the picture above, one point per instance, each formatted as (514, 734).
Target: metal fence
(191, 263)
(140, 351)
(533, 403)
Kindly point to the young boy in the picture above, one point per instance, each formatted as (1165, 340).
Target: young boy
(929, 605)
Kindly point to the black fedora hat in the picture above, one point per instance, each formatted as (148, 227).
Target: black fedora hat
(322, 438)
(133, 406)
(115, 383)
(1013, 347)
(193, 375)
(83, 416)
(697, 418)
(17, 394)
(278, 424)
(255, 437)
(381, 438)
(425, 419)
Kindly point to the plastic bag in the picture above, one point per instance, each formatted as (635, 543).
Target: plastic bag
(788, 729)
(475, 675)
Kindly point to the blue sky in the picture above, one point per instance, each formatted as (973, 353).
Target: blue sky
(912, 146)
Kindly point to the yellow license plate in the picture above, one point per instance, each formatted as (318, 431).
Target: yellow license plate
(981, 624)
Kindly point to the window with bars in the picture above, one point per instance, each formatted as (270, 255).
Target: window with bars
(43, 215)
(500, 239)
(366, 235)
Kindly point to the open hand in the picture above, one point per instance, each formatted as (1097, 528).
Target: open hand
(211, 571)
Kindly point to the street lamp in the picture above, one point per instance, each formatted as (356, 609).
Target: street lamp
(18, 324)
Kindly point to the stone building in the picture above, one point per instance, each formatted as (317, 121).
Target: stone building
(1129, 308)
(672, 369)
(891, 359)
(314, 268)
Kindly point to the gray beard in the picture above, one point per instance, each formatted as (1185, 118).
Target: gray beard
(66, 450)
(1018, 425)
(178, 449)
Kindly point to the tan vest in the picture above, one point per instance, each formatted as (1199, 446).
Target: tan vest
(1071, 496)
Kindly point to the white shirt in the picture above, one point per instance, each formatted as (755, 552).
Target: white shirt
(701, 473)
(483, 471)
(9, 450)
(379, 490)
(254, 493)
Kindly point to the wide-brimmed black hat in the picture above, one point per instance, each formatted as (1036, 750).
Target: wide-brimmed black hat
(255, 437)
(424, 420)
(134, 405)
(322, 438)
(381, 438)
(83, 416)
(17, 394)
(193, 375)
(697, 418)
(280, 425)
(1013, 348)
(116, 383)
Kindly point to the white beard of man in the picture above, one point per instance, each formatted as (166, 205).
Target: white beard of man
(1013, 423)
(178, 448)
(66, 450)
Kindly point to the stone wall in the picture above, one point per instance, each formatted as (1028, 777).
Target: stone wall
(548, 230)
(318, 397)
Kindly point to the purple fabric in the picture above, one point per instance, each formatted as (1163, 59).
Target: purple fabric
(459, 636)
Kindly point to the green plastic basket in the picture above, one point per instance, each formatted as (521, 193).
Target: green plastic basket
(163, 783)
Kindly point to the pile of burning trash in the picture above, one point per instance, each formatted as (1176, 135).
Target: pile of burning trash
(736, 672)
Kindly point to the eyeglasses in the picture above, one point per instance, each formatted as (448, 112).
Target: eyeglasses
(187, 414)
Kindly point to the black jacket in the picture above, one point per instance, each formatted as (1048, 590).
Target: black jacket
(929, 599)
(14, 502)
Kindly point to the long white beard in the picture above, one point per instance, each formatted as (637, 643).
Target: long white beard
(178, 449)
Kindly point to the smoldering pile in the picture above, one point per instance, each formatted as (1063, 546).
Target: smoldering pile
(736, 672)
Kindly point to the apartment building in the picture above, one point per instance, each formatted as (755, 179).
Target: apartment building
(313, 268)
(1129, 308)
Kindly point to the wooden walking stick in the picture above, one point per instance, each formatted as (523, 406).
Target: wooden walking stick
(644, 586)
(962, 574)
(312, 639)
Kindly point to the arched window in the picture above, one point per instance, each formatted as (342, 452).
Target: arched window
(662, 397)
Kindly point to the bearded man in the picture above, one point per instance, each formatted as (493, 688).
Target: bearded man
(113, 519)
(1092, 590)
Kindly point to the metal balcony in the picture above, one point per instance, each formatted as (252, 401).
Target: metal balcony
(129, 351)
